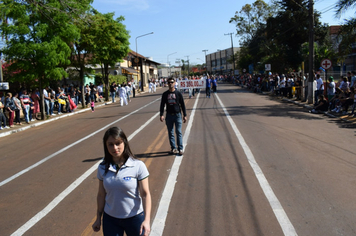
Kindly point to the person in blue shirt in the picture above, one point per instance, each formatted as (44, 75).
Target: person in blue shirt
(215, 84)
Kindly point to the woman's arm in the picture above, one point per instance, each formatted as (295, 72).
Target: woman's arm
(100, 206)
(146, 201)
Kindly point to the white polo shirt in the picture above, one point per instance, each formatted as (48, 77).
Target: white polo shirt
(122, 195)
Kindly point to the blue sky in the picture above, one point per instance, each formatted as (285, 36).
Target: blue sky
(185, 28)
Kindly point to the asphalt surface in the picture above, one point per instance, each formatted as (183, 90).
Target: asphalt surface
(252, 165)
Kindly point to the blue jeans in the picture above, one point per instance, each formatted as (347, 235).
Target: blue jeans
(47, 106)
(113, 96)
(51, 107)
(59, 107)
(2, 119)
(113, 226)
(171, 120)
(26, 113)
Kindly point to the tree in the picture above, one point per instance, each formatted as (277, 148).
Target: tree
(348, 30)
(37, 36)
(81, 48)
(109, 41)
(288, 30)
(250, 18)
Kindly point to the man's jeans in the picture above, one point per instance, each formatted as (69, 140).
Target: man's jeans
(113, 96)
(26, 112)
(47, 106)
(51, 107)
(171, 120)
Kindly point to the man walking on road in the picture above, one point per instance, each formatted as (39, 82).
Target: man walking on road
(174, 102)
(208, 86)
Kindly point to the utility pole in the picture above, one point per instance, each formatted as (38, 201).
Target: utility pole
(188, 63)
(141, 64)
(233, 54)
(311, 53)
(206, 65)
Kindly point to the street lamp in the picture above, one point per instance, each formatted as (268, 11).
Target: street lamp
(233, 54)
(169, 63)
(141, 64)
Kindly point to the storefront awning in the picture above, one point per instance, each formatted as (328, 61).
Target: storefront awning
(130, 71)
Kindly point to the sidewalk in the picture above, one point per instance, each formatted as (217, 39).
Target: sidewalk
(345, 118)
(24, 126)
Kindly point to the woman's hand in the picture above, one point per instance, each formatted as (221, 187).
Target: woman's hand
(145, 227)
(96, 226)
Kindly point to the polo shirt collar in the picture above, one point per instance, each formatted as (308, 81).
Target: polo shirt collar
(128, 163)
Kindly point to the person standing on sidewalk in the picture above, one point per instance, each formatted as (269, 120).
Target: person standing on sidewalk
(319, 88)
(173, 100)
(133, 89)
(331, 88)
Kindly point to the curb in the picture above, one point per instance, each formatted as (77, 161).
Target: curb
(3, 134)
(47, 121)
(311, 107)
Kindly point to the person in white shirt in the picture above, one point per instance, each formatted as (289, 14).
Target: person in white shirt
(133, 89)
(154, 86)
(100, 90)
(319, 87)
(150, 86)
(353, 79)
(123, 95)
(331, 88)
(283, 86)
(128, 92)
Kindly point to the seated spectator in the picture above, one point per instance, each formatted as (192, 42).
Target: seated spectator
(335, 99)
(348, 100)
(344, 84)
(321, 106)
(63, 96)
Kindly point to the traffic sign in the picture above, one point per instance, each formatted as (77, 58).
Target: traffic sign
(326, 64)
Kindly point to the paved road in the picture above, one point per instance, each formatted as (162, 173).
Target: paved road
(252, 166)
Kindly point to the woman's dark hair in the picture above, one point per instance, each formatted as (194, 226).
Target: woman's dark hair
(116, 133)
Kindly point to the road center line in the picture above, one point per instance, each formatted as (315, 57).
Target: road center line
(163, 206)
(69, 146)
(29, 224)
(276, 206)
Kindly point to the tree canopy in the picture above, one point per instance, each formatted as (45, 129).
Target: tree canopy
(276, 34)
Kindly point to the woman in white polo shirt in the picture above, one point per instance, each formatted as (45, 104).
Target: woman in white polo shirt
(124, 198)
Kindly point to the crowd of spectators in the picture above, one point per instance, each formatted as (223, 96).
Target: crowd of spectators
(339, 96)
(24, 106)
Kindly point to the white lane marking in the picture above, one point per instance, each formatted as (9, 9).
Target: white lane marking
(163, 206)
(69, 146)
(29, 224)
(284, 222)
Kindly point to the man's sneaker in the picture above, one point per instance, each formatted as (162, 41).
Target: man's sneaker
(173, 152)
(5, 127)
(180, 152)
